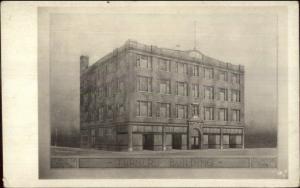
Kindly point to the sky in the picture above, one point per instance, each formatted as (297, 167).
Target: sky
(239, 38)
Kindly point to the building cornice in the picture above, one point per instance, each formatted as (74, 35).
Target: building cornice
(168, 53)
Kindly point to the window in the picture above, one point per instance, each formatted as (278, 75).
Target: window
(106, 69)
(208, 113)
(235, 78)
(111, 67)
(182, 68)
(120, 109)
(165, 86)
(182, 88)
(142, 61)
(105, 90)
(144, 108)
(100, 91)
(110, 89)
(223, 114)
(235, 115)
(85, 98)
(195, 108)
(93, 135)
(144, 83)
(195, 70)
(101, 113)
(120, 85)
(235, 95)
(101, 132)
(181, 111)
(222, 75)
(109, 112)
(164, 110)
(108, 132)
(223, 94)
(164, 65)
(208, 92)
(195, 90)
(208, 73)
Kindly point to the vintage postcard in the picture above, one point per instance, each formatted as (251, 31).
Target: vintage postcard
(161, 91)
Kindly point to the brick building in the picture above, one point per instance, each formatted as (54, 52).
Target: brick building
(142, 97)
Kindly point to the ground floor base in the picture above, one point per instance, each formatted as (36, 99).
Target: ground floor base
(138, 137)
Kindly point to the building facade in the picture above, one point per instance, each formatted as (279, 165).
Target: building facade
(142, 97)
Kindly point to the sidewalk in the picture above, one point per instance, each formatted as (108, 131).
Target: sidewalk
(65, 151)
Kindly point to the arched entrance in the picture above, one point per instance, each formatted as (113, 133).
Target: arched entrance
(196, 139)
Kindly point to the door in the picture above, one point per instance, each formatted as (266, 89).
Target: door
(196, 139)
(232, 141)
(148, 141)
(196, 142)
(176, 141)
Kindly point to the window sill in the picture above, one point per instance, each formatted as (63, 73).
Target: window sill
(164, 118)
(165, 93)
(139, 68)
(187, 74)
(145, 92)
(144, 116)
(182, 95)
(165, 71)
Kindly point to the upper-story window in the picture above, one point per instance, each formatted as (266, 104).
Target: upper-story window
(143, 61)
(181, 111)
(195, 90)
(164, 110)
(209, 92)
(102, 91)
(164, 65)
(208, 113)
(223, 114)
(144, 84)
(110, 89)
(223, 75)
(181, 68)
(223, 94)
(208, 73)
(105, 90)
(120, 109)
(120, 85)
(235, 95)
(235, 78)
(110, 111)
(105, 68)
(111, 66)
(101, 132)
(195, 110)
(108, 132)
(101, 113)
(235, 115)
(182, 88)
(195, 70)
(165, 86)
(85, 99)
(144, 108)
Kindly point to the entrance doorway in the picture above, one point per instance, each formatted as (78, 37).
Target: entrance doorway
(196, 139)
(148, 141)
(176, 141)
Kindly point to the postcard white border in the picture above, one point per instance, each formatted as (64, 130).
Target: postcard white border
(20, 58)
